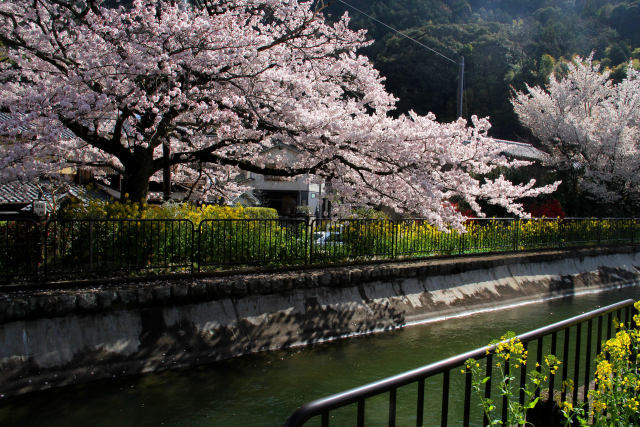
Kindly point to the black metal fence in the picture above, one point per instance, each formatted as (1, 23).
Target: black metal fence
(19, 250)
(99, 247)
(64, 248)
(440, 394)
(225, 242)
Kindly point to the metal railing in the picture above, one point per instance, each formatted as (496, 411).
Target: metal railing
(70, 248)
(19, 250)
(576, 341)
(88, 247)
(416, 238)
(224, 242)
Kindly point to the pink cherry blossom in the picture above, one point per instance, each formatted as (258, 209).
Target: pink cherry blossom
(591, 125)
(217, 86)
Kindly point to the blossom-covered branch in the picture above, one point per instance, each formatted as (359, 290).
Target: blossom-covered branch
(217, 86)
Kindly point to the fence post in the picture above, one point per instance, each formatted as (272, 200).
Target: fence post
(41, 266)
(516, 227)
(91, 237)
(310, 243)
(194, 261)
(199, 256)
(599, 231)
(394, 248)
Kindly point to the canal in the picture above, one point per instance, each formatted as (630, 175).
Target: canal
(263, 389)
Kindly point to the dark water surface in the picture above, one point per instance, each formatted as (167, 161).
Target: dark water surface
(263, 389)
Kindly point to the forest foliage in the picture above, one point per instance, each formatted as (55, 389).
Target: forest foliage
(506, 44)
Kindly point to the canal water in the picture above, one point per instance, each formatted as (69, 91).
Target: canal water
(263, 389)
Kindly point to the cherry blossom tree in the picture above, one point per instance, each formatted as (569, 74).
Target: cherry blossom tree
(205, 91)
(591, 125)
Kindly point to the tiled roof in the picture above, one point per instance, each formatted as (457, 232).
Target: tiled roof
(65, 133)
(521, 150)
(20, 193)
(6, 117)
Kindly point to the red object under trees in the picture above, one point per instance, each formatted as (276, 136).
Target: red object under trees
(548, 209)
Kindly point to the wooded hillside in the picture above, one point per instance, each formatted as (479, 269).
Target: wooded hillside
(506, 43)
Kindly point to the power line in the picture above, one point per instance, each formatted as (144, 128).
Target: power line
(399, 32)
(459, 63)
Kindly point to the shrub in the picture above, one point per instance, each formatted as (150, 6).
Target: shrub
(261, 213)
(509, 350)
(143, 236)
(615, 400)
(99, 209)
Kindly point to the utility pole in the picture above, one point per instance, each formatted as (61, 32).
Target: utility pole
(460, 84)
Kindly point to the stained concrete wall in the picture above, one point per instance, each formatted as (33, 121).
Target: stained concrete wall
(59, 337)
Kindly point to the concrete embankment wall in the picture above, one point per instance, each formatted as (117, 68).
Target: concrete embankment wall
(58, 337)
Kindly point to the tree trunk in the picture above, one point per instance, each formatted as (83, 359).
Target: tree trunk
(166, 173)
(134, 188)
(137, 172)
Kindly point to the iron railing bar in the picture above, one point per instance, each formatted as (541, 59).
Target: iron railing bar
(360, 420)
(487, 386)
(392, 407)
(565, 365)
(198, 255)
(627, 317)
(324, 420)
(191, 246)
(599, 336)
(420, 404)
(587, 364)
(505, 397)
(552, 378)
(576, 364)
(523, 376)
(125, 242)
(619, 312)
(539, 360)
(45, 261)
(467, 399)
(444, 415)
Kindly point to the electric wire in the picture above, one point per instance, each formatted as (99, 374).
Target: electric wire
(398, 32)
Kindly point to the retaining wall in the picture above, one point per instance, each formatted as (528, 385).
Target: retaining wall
(59, 337)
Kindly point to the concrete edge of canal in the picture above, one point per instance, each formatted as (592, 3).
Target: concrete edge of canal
(59, 337)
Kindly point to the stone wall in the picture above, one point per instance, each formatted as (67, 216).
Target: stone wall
(58, 337)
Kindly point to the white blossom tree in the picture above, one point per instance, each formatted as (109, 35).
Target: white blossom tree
(591, 125)
(206, 90)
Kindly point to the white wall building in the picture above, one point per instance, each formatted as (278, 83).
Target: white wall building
(289, 196)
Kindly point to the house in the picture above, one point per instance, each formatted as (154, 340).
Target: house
(291, 197)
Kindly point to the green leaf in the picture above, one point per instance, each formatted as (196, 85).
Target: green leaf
(532, 404)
